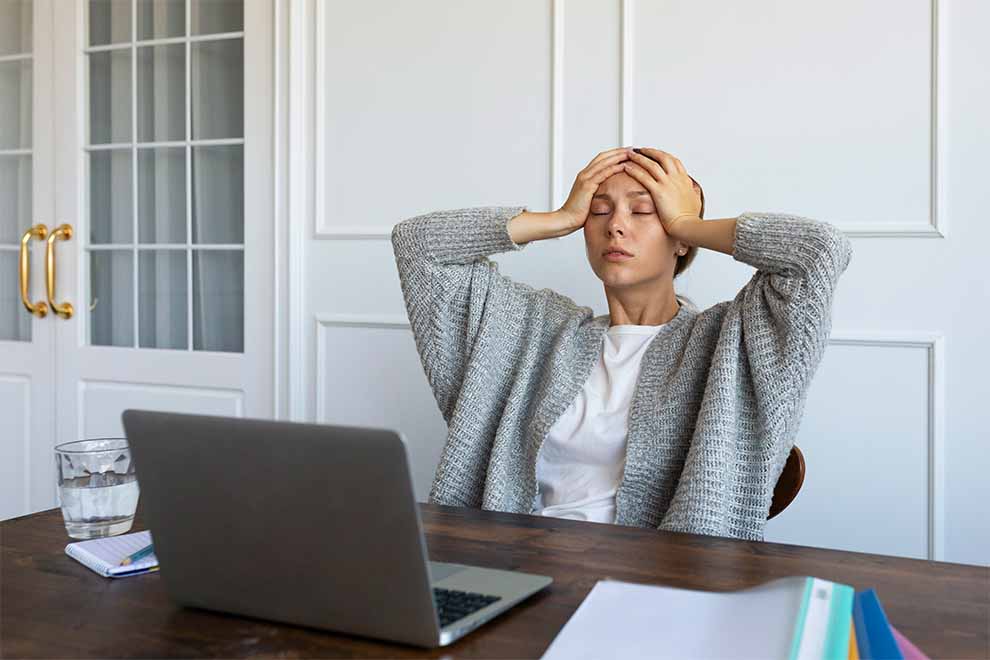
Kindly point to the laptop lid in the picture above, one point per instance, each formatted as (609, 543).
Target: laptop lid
(308, 524)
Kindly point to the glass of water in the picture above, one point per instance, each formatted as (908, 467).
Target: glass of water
(97, 487)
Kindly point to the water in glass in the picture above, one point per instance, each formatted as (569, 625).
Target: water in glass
(97, 486)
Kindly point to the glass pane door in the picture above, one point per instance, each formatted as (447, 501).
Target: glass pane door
(16, 91)
(165, 174)
(172, 209)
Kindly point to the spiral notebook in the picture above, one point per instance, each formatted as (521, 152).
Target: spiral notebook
(104, 555)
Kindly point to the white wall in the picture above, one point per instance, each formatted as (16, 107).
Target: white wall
(866, 115)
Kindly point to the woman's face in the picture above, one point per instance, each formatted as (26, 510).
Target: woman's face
(623, 216)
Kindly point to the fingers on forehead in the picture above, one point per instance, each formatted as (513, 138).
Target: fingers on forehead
(669, 160)
(655, 155)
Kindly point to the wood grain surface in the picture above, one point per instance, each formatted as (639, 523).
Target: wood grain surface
(52, 606)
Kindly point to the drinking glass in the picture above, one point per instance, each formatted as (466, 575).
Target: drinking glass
(97, 487)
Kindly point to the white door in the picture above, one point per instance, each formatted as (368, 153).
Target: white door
(162, 208)
(26, 338)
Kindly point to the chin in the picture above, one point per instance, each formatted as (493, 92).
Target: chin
(618, 280)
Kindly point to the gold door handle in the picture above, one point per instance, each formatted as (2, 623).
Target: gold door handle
(63, 232)
(39, 309)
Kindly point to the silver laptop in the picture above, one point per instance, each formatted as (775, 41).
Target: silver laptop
(305, 524)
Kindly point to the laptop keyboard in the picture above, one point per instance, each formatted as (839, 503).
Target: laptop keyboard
(453, 605)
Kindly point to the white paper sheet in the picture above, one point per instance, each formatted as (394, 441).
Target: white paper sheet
(627, 620)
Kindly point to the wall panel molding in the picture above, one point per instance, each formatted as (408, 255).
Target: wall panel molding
(626, 74)
(324, 231)
(386, 321)
(277, 192)
(558, 191)
(933, 344)
(155, 390)
(937, 225)
(299, 181)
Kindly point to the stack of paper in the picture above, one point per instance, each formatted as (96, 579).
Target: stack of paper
(791, 618)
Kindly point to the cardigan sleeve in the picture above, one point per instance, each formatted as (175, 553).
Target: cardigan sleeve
(782, 320)
(446, 279)
(786, 305)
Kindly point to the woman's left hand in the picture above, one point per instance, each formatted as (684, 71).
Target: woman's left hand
(670, 186)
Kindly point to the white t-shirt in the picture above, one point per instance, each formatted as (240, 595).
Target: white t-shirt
(580, 463)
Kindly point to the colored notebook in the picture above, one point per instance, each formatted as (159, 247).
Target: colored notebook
(908, 649)
(789, 618)
(873, 633)
(104, 555)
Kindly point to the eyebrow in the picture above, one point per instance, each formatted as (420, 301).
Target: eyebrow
(633, 193)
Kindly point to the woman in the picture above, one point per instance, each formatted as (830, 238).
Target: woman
(656, 414)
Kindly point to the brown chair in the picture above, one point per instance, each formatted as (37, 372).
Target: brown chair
(789, 483)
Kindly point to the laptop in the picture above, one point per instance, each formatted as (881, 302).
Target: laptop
(307, 524)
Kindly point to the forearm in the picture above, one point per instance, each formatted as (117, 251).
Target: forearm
(455, 236)
(718, 235)
(792, 245)
(531, 226)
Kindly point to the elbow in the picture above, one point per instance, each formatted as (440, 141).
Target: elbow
(405, 238)
(823, 254)
(832, 255)
(838, 247)
(396, 237)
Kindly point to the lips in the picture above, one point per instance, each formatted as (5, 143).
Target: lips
(615, 250)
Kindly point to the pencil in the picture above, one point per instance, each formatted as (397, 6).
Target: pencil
(140, 554)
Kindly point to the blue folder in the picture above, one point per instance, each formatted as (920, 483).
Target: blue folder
(874, 639)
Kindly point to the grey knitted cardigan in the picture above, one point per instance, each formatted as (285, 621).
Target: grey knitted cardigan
(719, 396)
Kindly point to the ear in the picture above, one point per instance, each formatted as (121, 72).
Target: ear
(681, 248)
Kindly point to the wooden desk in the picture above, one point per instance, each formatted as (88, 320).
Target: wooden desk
(52, 606)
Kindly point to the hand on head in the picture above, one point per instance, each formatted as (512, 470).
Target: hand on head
(578, 204)
(667, 181)
(660, 173)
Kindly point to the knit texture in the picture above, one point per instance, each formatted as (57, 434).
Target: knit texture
(719, 396)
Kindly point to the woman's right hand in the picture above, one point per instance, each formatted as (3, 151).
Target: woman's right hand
(575, 210)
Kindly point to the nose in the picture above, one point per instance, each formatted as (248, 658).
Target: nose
(616, 226)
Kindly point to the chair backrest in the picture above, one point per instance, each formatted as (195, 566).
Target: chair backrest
(789, 483)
